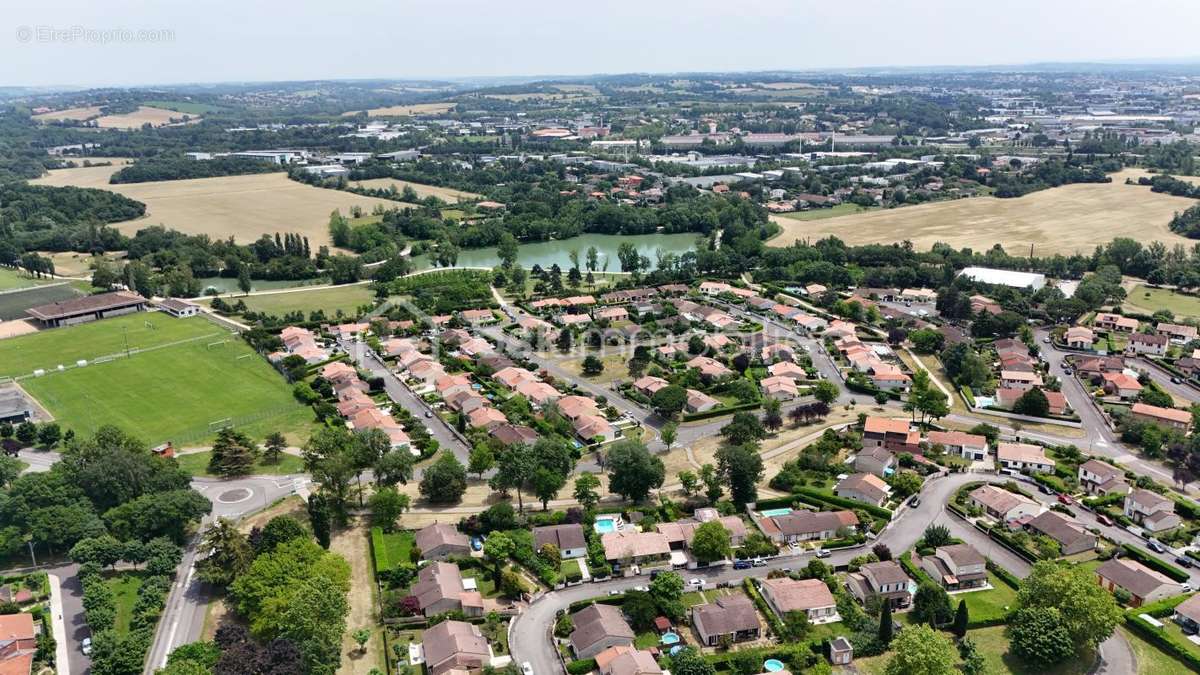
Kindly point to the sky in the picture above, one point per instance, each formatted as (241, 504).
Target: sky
(142, 42)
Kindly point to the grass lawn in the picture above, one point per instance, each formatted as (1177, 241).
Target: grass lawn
(569, 566)
(47, 349)
(831, 212)
(196, 464)
(11, 279)
(1150, 659)
(124, 588)
(175, 393)
(646, 640)
(985, 605)
(615, 368)
(1153, 299)
(328, 299)
(1172, 629)
(483, 581)
(397, 547)
(994, 647)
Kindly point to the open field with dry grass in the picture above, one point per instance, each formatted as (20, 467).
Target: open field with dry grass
(244, 207)
(72, 264)
(1068, 219)
(155, 117)
(79, 114)
(409, 110)
(443, 193)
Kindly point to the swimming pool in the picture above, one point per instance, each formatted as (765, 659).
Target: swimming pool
(670, 638)
(771, 513)
(772, 665)
(605, 525)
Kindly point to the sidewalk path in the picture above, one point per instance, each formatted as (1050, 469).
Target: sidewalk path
(62, 660)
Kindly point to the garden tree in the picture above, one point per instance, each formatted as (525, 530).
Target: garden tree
(49, 434)
(370, 445)
(361, 637)
(506, 250)
(688, 661)
(921, 650)
(927, 340)
(772, 414)
(669, 433)
(961, 619)
(741, 468)
(965, 366)
(563, 342)
(1040, 637)
(640, 608)
(105, 551)
(241, 655)
(592, 365)
(10, 469)
(713, 488)
(498, 516)
(973, 661)
(27, 433)
(394, 467)
(160, 514)
(667, 591)
(826, 392)
(243, 280)
(546, 483)
(273, 446)
(314, 618)
(931, 605)
(233, 454)
(387, 505)
(481, 460)
(757, 545)
(906, 483)
(445, 480)
(795, 626)
(498, 548)
(329, 455)
(586, 486)
(926, 399)
(1087, 611)
(744, 427)
(550, 554)
(1033, 403)
(886, 629)
(633, 471)
(278, 530)
(689, 482)
(320, 517)
(669, 401)
(229, 554)
(935, 536)
(514, 468)
(711, 542)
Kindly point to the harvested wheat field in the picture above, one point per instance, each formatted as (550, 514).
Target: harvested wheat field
(244, 207)
(77, 114)
(445, 194)
(1068, 219)
(155, 117)
(408, 110)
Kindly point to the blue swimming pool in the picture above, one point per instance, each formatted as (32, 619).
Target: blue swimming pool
(605, 525)
(771, 513)
(670, 638)
(772, 665)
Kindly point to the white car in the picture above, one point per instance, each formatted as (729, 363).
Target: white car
(822, 553)
(698, 583)
(86, 646)
(526, 669)
(643, 589)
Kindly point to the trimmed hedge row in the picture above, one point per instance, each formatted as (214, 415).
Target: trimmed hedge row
(855, 385)
(1154, 563)
(811, 496)
(725, 410)
(1162, 640)
(1004, 575)
(581, 666)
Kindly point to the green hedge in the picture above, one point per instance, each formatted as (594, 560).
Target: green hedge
(581, 666)
(914, 572)
(967, 395)
(724, 410)
(763, 608)
(808, 494)
(1154, 563)
(855, 385)
(1162, 640)
(1004, 575)
(379, 550)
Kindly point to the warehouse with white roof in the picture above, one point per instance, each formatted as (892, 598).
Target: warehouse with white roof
(988, 275)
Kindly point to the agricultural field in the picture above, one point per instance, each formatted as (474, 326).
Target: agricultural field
(443, 193)
(328, 299)
(72, 264)
(408, 110)
(1151, 300)
(155, 117)
(186, 107)
(173, 393)
(1067, 219)
(831, 212)
(14, 304)
(243, 207)
(77, 114)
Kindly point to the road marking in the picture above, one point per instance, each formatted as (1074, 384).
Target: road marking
(187, 580)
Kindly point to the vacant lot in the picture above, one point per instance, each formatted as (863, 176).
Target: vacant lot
(79, 114)
(1068, 219)
(408, 110)
(155, 117)
(175, 393)
(328, 299)
(71, 264)
(445, 194)
(244, 207)
(1151, 300)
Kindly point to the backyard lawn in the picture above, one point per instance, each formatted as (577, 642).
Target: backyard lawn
(987, 605)
(396, 548)
(196, 464)
(1150, 659)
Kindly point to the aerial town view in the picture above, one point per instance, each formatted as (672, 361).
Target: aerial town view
(681, 338)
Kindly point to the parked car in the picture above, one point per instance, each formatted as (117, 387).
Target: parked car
(1176, 379)
(758, 562)
(914, 501)
(741, 565)
(1187, 588)
(822, 553)
(1104, 520)
(428, 414)
(1065, 499)
(1155, 546)
(615, 592)
(643, 589)
(476, 544)
(526, 669)
(86, 646)
(1183, 561)
(696, 583)
(1045, 490)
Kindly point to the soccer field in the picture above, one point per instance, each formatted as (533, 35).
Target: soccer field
(175, 393)
(50, 348)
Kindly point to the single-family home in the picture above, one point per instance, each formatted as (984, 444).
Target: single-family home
(439, 588)
(877, 461)
(709, 368)
(568, 538)
(730, 616)
(885, 431)
(1002, 505)
(972, 447)
(1080, 337)
(511, 434)
(982, 303)
(1187, 614)
(627, 660)
(779, 387)
(698, 402)
(885, 580)
(440, 541)
(1023, 457)
(863, 487)
(680, 533)
(787, 369)
(888, 377)
(713, 288)
(1115, 322)
(1167, 417)
(1101, 478)
(599, 627)
(485, 418)
(1142, 583)
(1176, 333)
(592, 427)
(455, 647)
(1151, 510)
(1145, 343)
(807, 525)
(538, 393)
(1121, 385)
(635, 548)
(777, 352)
(1072, 538)
(811, 596)
(510, 377)
(1016, 379)
(956, 567)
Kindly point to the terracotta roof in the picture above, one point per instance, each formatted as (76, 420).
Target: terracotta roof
(1022, 452)
(885, 425)
(1167, 414)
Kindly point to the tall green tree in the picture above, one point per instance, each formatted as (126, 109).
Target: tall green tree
(229, 554)
(741, 467)
(633, 471)
(445, 481)
(921, 650)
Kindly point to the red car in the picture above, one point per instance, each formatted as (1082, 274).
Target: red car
(1104, 520)
(1065, 499)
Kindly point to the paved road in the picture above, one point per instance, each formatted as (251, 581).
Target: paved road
(1162, 378)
